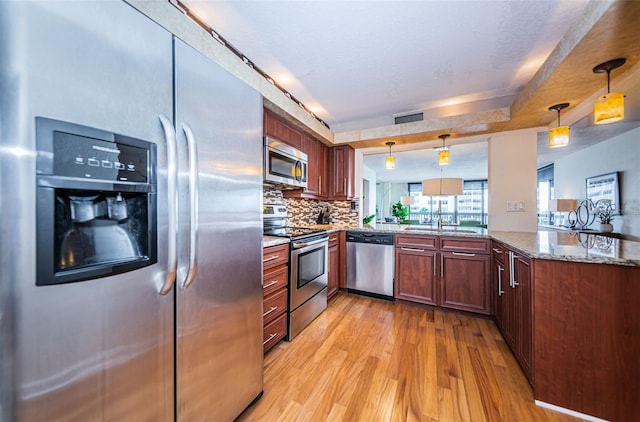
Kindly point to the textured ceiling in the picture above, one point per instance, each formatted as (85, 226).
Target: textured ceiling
(357, 63)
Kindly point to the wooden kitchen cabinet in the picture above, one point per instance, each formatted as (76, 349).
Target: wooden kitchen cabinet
(276, 127)
(341, 172)
(451, 272)
(333, 283)
(415, 269)
(513, 284)
(275, 282)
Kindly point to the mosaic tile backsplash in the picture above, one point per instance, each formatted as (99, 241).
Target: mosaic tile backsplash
(304, 212)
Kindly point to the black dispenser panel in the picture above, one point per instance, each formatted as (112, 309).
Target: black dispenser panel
(96, 203)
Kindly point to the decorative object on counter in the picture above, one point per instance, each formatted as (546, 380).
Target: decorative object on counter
(390, 161)
(604, 213)
(585, 215)
(610, 107)
(442, 187)
(443, 151)
(368, 219)
(559, 136)
(605, 186)
(400, 211)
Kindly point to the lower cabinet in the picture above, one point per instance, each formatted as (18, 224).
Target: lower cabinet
(275, 281)
(337, 263)
(513, 283)
(452, 272)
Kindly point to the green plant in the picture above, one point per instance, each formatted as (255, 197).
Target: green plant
(400, 211)
(604, 212)
(368, 219)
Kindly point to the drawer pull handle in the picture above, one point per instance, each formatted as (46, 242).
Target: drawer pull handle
(463, 254)
(497, 250)
(270, 284)
(271, 258)
(273, 308)
(412, 249)
(269, 339)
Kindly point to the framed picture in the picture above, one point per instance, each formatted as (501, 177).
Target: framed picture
(605, 186)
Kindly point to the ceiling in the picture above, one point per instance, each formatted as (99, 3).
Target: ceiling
(473, 67)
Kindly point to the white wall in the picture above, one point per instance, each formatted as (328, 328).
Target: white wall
(622, 154)
(513, 177)
(388, 194)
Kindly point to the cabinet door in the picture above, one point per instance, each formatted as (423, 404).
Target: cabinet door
(464, 282)
(415, 275)
(500, 285)
(342, 172)
(334, 271)
(524, 323)
(275, 127)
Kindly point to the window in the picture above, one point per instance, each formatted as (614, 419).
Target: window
(545, 193)
(470, 208)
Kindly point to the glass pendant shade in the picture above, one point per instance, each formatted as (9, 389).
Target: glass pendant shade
(559, 137)
(609, 108)
(390, 162)
(443, 157)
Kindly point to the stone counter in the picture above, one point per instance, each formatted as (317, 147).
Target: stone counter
(273, 241)
(573, 247)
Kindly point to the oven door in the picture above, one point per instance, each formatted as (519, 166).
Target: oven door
(309, 270)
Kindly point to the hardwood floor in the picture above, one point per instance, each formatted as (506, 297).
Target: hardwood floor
(365, 359)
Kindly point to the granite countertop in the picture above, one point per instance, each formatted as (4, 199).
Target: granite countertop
(273, 241)
(574, 247)
(543, 244)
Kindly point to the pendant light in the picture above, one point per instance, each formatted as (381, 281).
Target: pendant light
(610, 107)
(390, 161)
(443, 152)
(559, 136)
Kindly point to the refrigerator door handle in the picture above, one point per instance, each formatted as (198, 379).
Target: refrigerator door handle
(172, 175)
(193, 202)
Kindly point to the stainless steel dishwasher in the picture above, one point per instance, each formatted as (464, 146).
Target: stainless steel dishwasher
(370, 264)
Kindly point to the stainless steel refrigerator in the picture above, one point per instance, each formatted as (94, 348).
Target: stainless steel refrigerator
(165, 321)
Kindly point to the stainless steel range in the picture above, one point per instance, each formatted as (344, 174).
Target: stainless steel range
(308, 267)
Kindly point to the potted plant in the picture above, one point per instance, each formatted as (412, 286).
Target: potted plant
(400, 211)
(604, 213)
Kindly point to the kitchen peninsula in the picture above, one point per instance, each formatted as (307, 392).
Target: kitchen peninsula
(573, 324)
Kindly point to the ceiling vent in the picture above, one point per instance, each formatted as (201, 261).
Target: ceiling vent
(408, 118)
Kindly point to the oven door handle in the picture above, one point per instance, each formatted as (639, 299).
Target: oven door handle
(314, 242)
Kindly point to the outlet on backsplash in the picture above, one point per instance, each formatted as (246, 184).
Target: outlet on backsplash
(304, 212)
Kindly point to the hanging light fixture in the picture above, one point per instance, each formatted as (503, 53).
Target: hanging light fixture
(443, 152)
(390, 161)
(559, 136)
(610, 107)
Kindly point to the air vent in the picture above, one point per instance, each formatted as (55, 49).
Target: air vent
(408, 118)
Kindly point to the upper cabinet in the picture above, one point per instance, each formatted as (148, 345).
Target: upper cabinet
(276, 127)
(317, 168)
(342, 172)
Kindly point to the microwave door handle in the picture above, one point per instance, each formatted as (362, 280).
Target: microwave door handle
(295, 171)
(193, 204)
(172, 231)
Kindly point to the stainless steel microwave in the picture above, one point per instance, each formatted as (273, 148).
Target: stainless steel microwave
(284, 165)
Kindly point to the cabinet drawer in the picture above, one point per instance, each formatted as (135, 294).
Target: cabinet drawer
(275, 255)
(464, 244)
(499, 251)
(274, 305)
(333, 239)
(275, 331)
(275, 279)
(417, 242)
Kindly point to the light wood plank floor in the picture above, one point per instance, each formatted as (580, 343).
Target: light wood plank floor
(365, 359)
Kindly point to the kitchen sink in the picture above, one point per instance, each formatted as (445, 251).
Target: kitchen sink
(444, 229)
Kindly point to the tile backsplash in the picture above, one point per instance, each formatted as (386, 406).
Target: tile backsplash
(304, 212)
